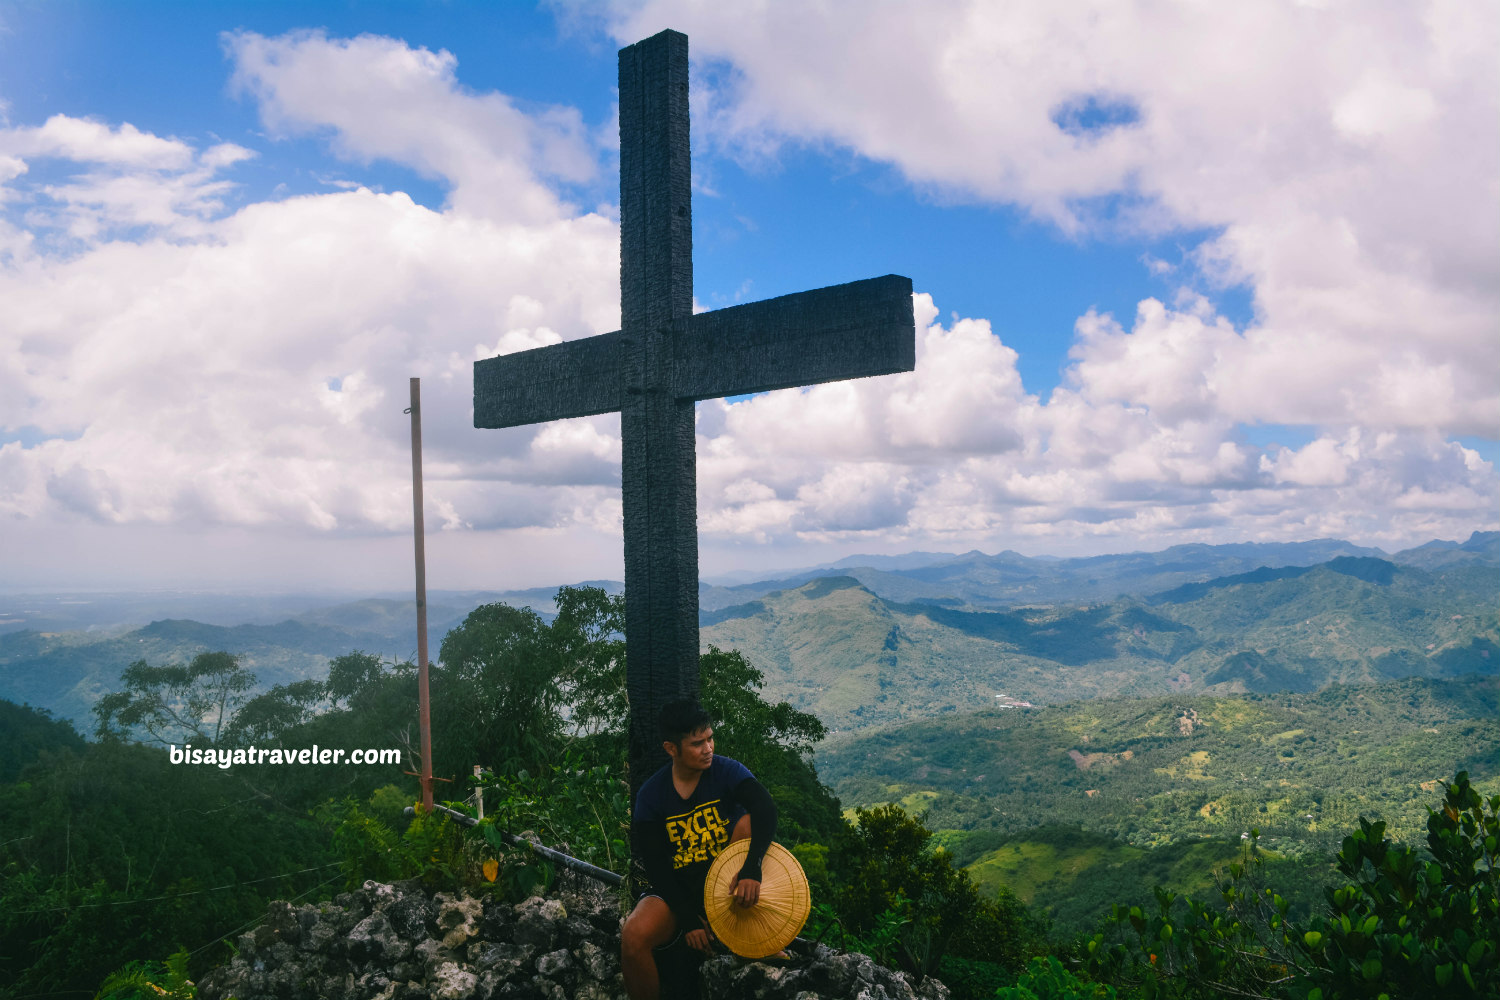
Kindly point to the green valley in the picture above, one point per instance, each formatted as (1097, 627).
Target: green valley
(1077, 804)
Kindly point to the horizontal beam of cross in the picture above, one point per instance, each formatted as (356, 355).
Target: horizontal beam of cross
(854, 330)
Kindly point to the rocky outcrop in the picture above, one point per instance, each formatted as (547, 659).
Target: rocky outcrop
(398, 942)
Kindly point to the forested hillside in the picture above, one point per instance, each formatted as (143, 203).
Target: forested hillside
(1156, 770)
(836, 649)
(867, 649)
(1060, 803)
(114, 853)
(1009, 579)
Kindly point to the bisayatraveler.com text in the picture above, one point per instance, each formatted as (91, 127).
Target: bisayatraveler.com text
(224, 757)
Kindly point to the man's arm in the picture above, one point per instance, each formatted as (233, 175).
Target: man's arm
(650, 843)
(751, 794)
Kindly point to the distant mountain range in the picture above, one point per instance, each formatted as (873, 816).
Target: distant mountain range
(891, 637)
(835, 648)
(1010, 579)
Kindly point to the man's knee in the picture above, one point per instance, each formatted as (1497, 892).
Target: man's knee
(649, 926)
(741, 829)
(634, 939)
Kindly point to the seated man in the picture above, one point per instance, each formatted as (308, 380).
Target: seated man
(685, 814)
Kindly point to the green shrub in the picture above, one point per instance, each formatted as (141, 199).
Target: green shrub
(1046, 979)
(432, 848)
(1400, 926)
(150, 981)
(969, 979)
(1405, 926)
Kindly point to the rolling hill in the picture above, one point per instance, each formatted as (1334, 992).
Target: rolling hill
(877, 647)
(1086, 803)
(835, 648)
(1008, 578)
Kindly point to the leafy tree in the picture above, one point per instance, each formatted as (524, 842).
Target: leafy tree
(774, 741)
(26, 732)
(516, 689)
(1003, 931)
(351, 678)
(886, 866)
(268, 715)
(1405, 926)
(112, 852)
(174, 703)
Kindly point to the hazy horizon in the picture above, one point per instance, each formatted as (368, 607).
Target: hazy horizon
(1164, 293)
(728, 577)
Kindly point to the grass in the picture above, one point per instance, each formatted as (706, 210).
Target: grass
(1074, 877)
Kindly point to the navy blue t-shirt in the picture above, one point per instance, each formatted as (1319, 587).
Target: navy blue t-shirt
(697, 827)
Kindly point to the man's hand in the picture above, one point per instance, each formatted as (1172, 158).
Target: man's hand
(746, 891)
(701, 940)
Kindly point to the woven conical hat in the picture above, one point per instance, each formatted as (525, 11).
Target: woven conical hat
(771, 924)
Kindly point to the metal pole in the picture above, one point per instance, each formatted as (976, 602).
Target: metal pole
(424, 705)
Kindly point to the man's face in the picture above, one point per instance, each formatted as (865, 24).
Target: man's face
(696, 750)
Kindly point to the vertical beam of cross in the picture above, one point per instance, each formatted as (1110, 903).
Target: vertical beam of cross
(663, 359)
(658, 479)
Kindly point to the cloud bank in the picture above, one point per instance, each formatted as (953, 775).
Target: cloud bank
(172, 358)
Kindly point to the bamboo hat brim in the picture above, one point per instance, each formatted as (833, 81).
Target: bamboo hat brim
(770, 925)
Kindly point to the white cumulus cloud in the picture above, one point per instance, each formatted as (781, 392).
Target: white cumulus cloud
(171, 360)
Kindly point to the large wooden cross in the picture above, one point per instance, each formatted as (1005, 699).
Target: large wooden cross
(663, 359)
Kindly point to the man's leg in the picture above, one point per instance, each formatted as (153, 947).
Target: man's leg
(650, 925)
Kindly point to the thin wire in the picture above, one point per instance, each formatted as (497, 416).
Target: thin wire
(257, 919)
(175, 895)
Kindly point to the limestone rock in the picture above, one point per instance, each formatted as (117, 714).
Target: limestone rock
(373, 939)
(400, 942)
(537, 920)
(458, 921)
(451, 981)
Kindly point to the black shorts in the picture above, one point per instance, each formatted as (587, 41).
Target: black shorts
(649, 891)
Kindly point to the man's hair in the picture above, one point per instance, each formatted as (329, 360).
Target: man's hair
(681, 718)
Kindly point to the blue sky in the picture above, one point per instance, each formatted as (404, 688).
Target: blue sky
(1166, 293)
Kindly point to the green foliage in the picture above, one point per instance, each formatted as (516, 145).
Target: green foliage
(774, 741)
(970, 979)
(894, 885)
(432, 846)
(388, 805)
(1400, 926)
(1002, 931)
(814, 861)
(1046, 979)
(440, 852)
(150, 981)
(582, 811)
(267, 716)
(515, 689)
(1406, 926)
(368, 847)
(174, 703)
(111, 853)
(351, 678)
(879, 935)
(26, 733)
